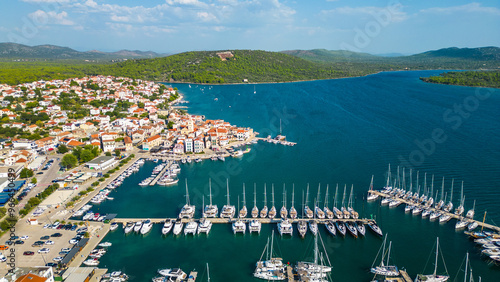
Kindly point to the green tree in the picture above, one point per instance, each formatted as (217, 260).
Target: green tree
(69, 160)
(117, 153)
(33, 180)
(62, 149)
(86, 155)
(25, 173)
(108, 154)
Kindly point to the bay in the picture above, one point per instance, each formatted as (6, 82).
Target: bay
(346, 131)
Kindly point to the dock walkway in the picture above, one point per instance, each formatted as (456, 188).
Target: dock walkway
(169, 164)
(452, 215)
(230, 220)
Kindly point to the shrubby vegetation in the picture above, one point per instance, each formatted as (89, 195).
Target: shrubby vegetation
(467, 78)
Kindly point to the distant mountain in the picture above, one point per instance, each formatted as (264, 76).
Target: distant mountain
(19, 51)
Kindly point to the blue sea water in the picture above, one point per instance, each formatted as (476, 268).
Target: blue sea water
(346, 131)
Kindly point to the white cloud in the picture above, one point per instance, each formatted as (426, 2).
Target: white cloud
(469, 8)
(46, 1)
(91, 3)
(206, 17)
(186, 2)
(42, 18)
(394, 12)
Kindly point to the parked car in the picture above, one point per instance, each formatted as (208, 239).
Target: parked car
(19, 242)
(74, 227)
(38, 244)
(25, 237)
(49, 242)
(66, 250)
(56, 235)
(57, 259)
(44, 251)
(51, 264)
(4, 247)
(2, 258)
(46, 237)
(28, 253)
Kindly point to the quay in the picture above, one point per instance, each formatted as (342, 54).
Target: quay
(169, 164)
(246, 219)
(405, 275)
(452, 215)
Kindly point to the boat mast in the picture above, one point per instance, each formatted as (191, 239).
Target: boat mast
(255, 195)
(343, 197)
(411, 180)
(388, 176)
(284, 196)
(432, 186)
(303, 207)
(271, 250)
(317, 197)
(436, 264)
(227, 184)
(350, 197)
(316, 249)
(272, 194)
(210, 188)
(425, 184)
(326, 197)
(335, 198)
(187, 194)
(442, 189)
(462, 199)
(484, 218)
(293, 193)
(307, 195)
(265, 196)
(466, 264)
(208, 273)
(244, 201)
(371, 185)
(451, 195)
(389, 252)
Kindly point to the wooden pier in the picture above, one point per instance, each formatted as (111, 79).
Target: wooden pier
(405, 275)
(452, 215)
(230, 220)
(167, 166)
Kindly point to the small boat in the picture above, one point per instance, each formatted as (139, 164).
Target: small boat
(340, 227)
(91, 262)
(352, 229)
(113, 226)
(361, 228)
(105, 244)
(138, 226)
(175, 274)
(313, 226)
(146, 227)
(375, 228)
(167, 226)
(462, 223)
(178, 227)
(129, 227)
(473, 225)
(254, 225)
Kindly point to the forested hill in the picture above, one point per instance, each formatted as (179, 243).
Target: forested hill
(467, 78)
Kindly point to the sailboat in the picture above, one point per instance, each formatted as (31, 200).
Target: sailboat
(263, 211)
(313, 271)
(243, 211)
(272, 268)
(255, 210)
(254, 91)
(308, 212)
(338, 214)
(284, 211)
(293, 211)
(354, 214)
(449, 206)
(187, 210)
(272, 211)
(384, 269)
(433, 277)
(460, 209)
(302, 224)
(344, 211)
(317, 210)
(371, 196)
(440, 204)
(211, 210)
(470, 213)
(328, 212)
(227, 210)
(313, 226)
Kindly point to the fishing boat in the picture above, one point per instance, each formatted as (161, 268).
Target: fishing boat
(330, 226)
(293, 211)
(204, 226)
(146, 226)
(272, 211)
(129, 227)
(167, 226)
(384, 268)
(433, 277)
(243, 211)
(372, 196)
(211, 210)
(255, 210)
(187, 211)
(375, 228)
(254, 226)
(271, 269)
(178, 227)
(263, 211)
(285, 227)
(191, 228)
(228, 210)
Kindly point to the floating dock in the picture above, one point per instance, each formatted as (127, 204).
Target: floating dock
(167, 166)
(230, 220)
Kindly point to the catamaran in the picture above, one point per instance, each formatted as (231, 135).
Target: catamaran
(204, 226)
(293, 211)
(191, 228)
(285, 227)
(187, 210)
(272, 211)
(263, 211)
(254, 225)
(384, 269)
(255, 210)
(227, 210)
(284, 211)
(433, 277)
(211, 210)
(239, 226)
(272, 268)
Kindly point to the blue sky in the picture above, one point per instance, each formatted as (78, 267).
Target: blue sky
(168, 26)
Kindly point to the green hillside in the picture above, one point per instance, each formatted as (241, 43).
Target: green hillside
(467, 78)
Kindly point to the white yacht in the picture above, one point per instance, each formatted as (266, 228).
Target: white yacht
(284, 211)
(285, 227)
(254, 225)
(243, 211)
(187, 210)
(384, 269)
(129, 227)
(302, 228)
(272, 211)
(178, 227)
(146, 226)
(113, 226)
(191, 228)
(308, 212)
(372, 196)
(313, 226)
(315, 270)
(255, 210)
(174, 274)
(228, 211)
(293, 211)
(211, 210)
(239, 226)
(138, 226)
(204, 226)
(263, 211)
(167, 226)
(91, 262)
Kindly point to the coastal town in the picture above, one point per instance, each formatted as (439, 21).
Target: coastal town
(66, 140)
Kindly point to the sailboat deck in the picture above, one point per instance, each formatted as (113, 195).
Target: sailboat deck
(452, 215)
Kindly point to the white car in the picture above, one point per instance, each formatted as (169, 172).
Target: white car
(73, 241)
(65, 250)
(49, 242)
(57, 259)
(47, 225)
(2, 258)
(44, 251)
(25, 237)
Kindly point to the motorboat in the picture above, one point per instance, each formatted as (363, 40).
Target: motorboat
(174, 274)
(129, 227)
(113, 226)
(146, 226)
(138, 226)
(178, 227)
(167, 226)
